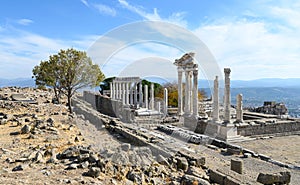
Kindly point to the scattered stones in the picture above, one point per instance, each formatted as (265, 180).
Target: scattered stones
(125, 147)
(277, 178)
(18, 168)
(93, 172)
(25, 129)
(191, 180)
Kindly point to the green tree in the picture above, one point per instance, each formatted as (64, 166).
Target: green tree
(68, 71)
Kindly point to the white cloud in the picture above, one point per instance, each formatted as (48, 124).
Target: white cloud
(20, 51)
(24, 22)
(175, 18)
(85, 3)
(252, 49)
(104, 9)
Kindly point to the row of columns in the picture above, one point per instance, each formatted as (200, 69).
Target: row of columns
(191, 91)
(227, 100)
(128, 93)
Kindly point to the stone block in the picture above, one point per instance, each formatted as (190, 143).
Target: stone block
(237, 165)
(276, 178)
(217, 177)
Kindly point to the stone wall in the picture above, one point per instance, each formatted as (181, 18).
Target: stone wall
(268, 128)
(107, 106)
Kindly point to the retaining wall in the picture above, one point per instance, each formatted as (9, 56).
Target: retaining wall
(269, 128)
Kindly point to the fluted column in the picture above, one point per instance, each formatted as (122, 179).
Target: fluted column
(195, 92)
(239, 108)
(165, 101)
(131, 94)
(152, 96)
(111, 90)
(191, 92)
(135, 94)
(227, 95)
(124, 93)
(216, 100)
(187, 93)
(146, 96)
(127, 93)
(180, 91)
(141, 94)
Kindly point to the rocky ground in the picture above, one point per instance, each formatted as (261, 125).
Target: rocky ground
(41, 143)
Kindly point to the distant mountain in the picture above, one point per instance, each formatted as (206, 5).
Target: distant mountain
(19, 82)
(265, 82)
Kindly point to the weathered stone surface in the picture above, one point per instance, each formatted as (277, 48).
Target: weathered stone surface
(182, 163)
(93, 172)
(125, 147)
(276, 178)
(236, 165)
(25, 129)
(135, 176)
(191, 180)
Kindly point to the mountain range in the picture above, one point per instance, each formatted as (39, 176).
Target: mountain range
(265, 82)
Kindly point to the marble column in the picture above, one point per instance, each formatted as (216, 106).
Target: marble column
(135, 94)
(141, 94)
(146, 96)
(111, 90)
(187, 91)
(131, 94)
(227, 98)
(239, 108)
(124, 93)
(216, 100)
(195, 92)
(158, 106)
(127, 93)
(180, 111)
(191, 91)
(152, 96)
(120, 91)
(117, 90)
(165, 102)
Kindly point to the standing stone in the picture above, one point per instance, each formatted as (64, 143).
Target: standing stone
(239, 108)
(135, 94)
(216, 100)
(165, 102)
(227, 95)
(127, 93)
(131, 95)
(111, 90)
(123, 93)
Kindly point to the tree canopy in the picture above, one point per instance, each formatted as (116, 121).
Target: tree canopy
(66, 72)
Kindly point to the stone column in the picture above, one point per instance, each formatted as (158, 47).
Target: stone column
(152, 96)
(191, 92)
(135, 94)
(239, 108)
(124, 93)
(195, 92)
(141, 94)
(146, 96)
(120, 91)
(165, 102)
(116, 90)
(158, 106)
(186, 96)
(227, 96)
(180, 91)
(131, 94)
(111, 90)
(127, 93)
(216, 100)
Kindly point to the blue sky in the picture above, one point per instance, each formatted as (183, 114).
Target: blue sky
(257, 39)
